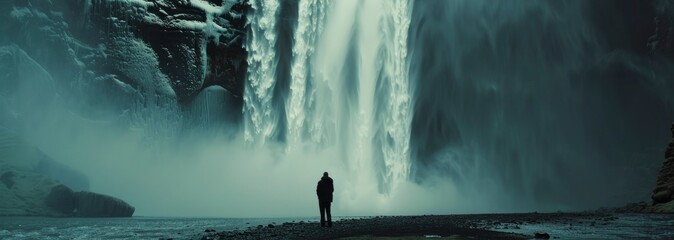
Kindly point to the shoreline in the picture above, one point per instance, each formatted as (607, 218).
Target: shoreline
(468, 226)
(579, 225)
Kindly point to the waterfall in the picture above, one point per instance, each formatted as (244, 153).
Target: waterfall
(259, 117)
(348, 83)
(311, 14)
(363, 91)
(396, 117)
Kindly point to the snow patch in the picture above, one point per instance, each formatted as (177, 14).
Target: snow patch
(188, 24)
(141, 3)
(25, 13)
(207, 7)
(19, 13)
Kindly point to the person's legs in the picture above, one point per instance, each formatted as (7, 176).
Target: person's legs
(327, 211)
(321, 206)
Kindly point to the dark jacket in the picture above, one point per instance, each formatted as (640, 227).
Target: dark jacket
(324, 189)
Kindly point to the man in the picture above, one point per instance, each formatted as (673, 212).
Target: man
(324, 191)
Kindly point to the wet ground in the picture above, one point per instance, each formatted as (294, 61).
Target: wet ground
(479, 226)
(589, 226)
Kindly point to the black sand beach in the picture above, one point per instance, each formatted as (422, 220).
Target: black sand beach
(478, 226)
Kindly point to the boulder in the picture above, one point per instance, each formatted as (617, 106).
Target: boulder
(86, 204)
(89, 204)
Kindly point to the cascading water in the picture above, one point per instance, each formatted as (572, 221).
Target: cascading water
(394, 95)
(309, 25)
(459, 105)
(259, 117)
(495, 97)
(378, 115)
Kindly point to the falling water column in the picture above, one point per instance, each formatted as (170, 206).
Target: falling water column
(309, 24)
(259, 116)
(395, 118)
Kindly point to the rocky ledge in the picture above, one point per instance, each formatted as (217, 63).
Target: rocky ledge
(663, 201)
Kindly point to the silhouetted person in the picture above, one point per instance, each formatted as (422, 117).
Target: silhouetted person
(324, 191)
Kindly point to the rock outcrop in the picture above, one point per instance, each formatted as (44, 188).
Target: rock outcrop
(86, 204)
(89, 204)
(663, 194)
(32, 194)
(30, 186)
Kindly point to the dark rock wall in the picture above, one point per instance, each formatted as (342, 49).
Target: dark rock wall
(664, 188)
(609, 111)
(77, 42)
(192, 58)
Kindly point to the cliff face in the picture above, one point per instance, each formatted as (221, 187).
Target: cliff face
(196, 43)
(105, 60)
(100, 49)
(664, 189)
